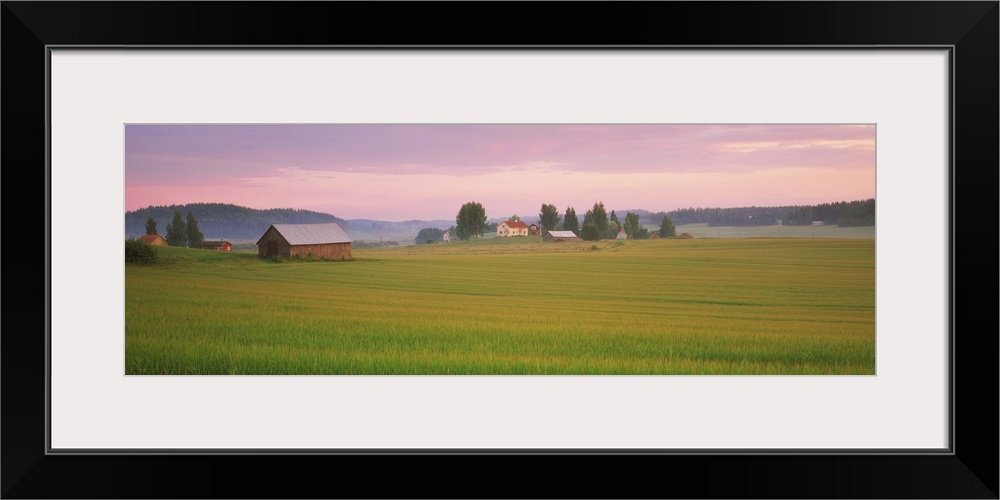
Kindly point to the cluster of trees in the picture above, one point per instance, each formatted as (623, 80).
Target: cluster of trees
(429, 235)
(179, 232)
(598, 224)
(470, 221)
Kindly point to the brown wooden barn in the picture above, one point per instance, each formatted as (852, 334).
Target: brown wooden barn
(320, 241)
(221, 245)
(153, 239)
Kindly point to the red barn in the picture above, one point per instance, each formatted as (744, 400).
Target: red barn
(321, 241)
(221, 245)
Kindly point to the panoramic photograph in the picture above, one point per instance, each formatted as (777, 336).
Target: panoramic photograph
(499, 249)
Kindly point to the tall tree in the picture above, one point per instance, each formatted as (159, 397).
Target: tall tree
(613, 230)
(570, 222)
(599, 216)
(150, 225)
(177, 235)
(633, 229)
(514, 217)
(471, 220)
(667, 229)
(194, 235)
(614, 218)
(549, 217)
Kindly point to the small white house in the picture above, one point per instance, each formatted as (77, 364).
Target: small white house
(447, 236)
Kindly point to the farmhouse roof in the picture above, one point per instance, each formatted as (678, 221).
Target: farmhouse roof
(562, 234)
(515, 224)
(149, 238)
(213, 243)
(311, 234)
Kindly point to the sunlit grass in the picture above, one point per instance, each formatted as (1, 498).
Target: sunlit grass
(520, 306)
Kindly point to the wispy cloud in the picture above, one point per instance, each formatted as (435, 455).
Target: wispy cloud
(343, 167)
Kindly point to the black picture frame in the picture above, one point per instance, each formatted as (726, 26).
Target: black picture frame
(969, 28)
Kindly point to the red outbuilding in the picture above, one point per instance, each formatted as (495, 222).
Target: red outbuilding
(221, 245)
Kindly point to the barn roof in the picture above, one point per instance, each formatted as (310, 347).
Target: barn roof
(149, 238)
(562, 234)
(311, 234)
(515, 224)
(215, 243)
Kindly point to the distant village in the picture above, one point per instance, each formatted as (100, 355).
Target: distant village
(330, 241)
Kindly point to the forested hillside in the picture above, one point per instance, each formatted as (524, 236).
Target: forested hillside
(225, 221)
(843, 213)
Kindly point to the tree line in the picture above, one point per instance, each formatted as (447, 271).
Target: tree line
(232, 222)
(844, 214)
(853, 213)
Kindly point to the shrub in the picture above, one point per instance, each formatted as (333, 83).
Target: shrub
(139, 252)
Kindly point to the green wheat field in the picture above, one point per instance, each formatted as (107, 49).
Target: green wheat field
(512, 306)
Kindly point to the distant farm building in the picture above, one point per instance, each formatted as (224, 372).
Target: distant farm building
(446, 236)
(560, 236)
(685, 235)
(817, 223)
(654, 236)
(319, 241)
(153, 239)
(534, 229)
(220, 245)
(512, 228)
(622, 235)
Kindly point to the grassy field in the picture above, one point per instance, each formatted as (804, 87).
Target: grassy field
(512, 306)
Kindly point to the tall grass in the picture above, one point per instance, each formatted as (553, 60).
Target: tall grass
(746, 306)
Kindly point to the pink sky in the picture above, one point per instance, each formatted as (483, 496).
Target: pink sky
(404, 172)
